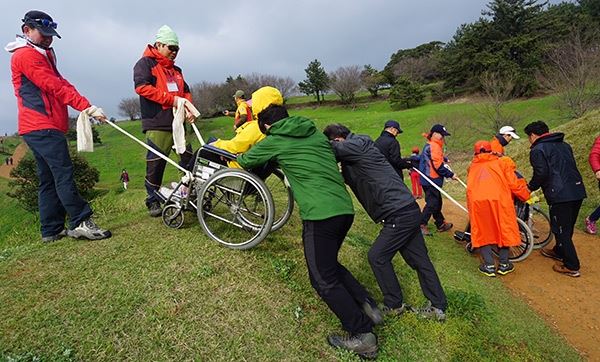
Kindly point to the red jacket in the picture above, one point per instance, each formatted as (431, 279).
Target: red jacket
(153, 74)
(595, 155)
(42, 93)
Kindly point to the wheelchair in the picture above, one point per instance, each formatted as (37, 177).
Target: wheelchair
(235, 207)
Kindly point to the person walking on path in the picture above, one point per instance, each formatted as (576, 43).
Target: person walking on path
(594, 159)
(415, 178)
(502, 139)
(160, 84)
(491, 185)
(42, 98)
(390, 147)
(388, 202)
(243, 112)
(11, 161)
(124, 178)
(556, 173)
(306, 158)
(433, 166)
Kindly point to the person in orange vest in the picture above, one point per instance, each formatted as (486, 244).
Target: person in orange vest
(502, 139)
(491, 185)
(433, 165)
(243, 113)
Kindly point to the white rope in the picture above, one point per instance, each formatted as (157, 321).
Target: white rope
(442, 191)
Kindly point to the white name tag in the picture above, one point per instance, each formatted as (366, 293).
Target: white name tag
(172, 87)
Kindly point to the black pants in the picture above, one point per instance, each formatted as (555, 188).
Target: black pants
(562, 221)
(433, 206)
(343, 294)
(488, 258)
(401, 233)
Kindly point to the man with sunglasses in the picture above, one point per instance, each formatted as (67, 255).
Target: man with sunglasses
(42, 99)
(160, 84)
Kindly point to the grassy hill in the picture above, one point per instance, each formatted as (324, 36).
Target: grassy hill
(153, 293)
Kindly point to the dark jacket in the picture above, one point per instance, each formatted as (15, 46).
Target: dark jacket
(390, 148)
(555, 170)
(380, 190)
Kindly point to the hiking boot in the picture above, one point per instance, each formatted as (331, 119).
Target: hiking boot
(430, 312)
(394, 311)
(550, 253)
(561, 268)
(487, 270)
(51, 238)
(154, 209)
(371, 310)
(425, 231)
(504, 269)
(445, 227)
(590, 226)
(363, 344)
(89, 230)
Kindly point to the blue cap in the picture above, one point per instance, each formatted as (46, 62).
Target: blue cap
(393, 124)
(440, 129)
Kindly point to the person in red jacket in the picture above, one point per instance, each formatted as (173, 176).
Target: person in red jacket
(160, 84)
(42, 99)
(590, 221)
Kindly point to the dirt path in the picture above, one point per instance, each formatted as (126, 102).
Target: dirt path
(19, 153)
(570, 305)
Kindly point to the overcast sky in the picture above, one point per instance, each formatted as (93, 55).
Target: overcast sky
(102, 40)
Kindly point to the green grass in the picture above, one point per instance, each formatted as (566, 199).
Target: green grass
(153, 293)
(7, 148)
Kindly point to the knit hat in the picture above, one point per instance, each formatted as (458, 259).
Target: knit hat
(167, 36)
(264, 97)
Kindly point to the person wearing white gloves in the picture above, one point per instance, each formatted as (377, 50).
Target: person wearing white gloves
(42, 99)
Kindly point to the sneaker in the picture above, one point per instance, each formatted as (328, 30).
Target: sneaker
(590, 226)
(394, 311)
(550, 253)
(561, 268)
(89, 230)
(430, 312)
(363, 344)
(154, 209)
(51, 238)
(371, 310)
(445, 227)
(425, 231)
(504, 269)
(487, 270)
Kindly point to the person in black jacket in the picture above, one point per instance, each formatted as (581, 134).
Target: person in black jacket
(390, 147)
(555, 171)
(388, 201)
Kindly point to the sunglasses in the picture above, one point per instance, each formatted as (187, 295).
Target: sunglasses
(173, 48)
(44, 22)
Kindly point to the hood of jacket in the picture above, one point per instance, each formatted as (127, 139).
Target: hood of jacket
(549, 137)
(152, 52)
(295, 126)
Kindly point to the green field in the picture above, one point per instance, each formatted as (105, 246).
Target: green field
(153, 293)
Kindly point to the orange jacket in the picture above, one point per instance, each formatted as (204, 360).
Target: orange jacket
(491, 183)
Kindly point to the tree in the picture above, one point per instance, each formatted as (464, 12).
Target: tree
(316, 82)
(372, 80)
(25, 182)
(498, 88)
(130, 108)
(406, 94)
(345, 82)
(431, 50)
(285, 85)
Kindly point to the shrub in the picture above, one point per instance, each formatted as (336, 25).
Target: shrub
(406, 94)
(24, 186)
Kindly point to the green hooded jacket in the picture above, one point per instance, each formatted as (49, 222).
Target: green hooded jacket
(306, 158)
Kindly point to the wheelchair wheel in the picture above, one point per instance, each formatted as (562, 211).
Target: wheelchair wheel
(539, 223)
(235, 209)
(283, 199)
(172, 216)
(469, 248)
(522, 251)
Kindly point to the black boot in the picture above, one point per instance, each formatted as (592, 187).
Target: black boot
(363, 344)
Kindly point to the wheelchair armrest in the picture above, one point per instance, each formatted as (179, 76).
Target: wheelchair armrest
(220, 152)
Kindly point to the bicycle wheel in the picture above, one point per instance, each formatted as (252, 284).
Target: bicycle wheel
(539, 223)
(283, 199)
(235, 209)
(522, 251)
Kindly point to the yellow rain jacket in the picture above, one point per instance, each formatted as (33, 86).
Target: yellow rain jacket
(246, 136)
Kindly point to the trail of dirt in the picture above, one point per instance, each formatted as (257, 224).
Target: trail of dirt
(570, 305)
(19, 153)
